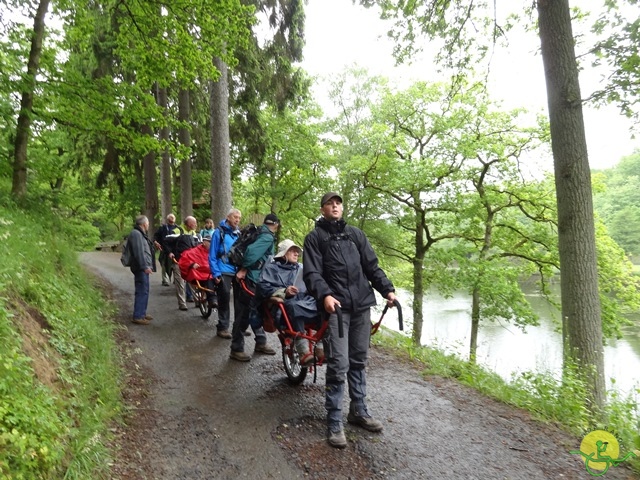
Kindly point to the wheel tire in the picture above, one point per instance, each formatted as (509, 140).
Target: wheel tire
(296, 373)
(201, 298)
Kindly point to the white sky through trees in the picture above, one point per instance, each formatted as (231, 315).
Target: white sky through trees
(339, 34)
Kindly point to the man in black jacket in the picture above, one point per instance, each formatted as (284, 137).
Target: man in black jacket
(174, 245)
(340, 269)
(169, 228)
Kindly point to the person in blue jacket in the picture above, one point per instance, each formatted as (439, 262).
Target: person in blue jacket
(222, 271)
(208, 229)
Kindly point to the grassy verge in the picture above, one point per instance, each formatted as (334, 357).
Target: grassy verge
(547, 398)
(59, 370)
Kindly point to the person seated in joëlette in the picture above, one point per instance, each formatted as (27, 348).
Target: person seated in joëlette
(194, 265)
(278, 281)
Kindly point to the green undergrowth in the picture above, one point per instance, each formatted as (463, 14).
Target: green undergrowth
(59, 368)
(547, 398)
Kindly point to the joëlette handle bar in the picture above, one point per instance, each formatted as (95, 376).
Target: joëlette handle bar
(243, 284)
(397, 304)
(376, 326)
(340, 324)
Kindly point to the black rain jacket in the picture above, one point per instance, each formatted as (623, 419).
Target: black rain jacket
(339, 261)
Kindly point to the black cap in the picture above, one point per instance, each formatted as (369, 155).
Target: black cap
(271, 219)
(328, 196)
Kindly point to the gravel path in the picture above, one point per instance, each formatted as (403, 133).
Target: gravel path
(195, 414)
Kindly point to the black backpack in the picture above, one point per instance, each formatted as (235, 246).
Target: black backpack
(127, 257)
(248, 235)
(179, 243)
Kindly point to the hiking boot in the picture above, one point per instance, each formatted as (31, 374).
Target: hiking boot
(148, 317)
(183, 307)
(307, 359)
(213, 302)
(224, 334)
(264, 348)
(239, 356)
(364, 420)
(141, 321)
(336, 437)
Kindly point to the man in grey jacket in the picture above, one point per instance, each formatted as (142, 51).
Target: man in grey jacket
(341, 269)
(143, 263)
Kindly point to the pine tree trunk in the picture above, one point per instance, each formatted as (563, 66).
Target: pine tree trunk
(184, 135)
(150, 184)
(220, 154)
(23, 127)
(166, 204)
(579, 277)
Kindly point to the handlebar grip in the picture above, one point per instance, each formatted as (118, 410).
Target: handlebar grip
(340, 324)
(397, 304)
(400, 323)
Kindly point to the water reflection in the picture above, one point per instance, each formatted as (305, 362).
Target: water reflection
(508, 350)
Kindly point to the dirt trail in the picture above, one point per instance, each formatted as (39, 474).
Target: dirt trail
(199, 415)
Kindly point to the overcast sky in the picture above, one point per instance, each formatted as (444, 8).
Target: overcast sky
(339, 34)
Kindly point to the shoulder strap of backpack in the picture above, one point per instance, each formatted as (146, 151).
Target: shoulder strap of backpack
(325, 237)
(222, 251)
(323, 240)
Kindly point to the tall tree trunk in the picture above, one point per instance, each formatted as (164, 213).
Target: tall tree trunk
(150, 184)
(165, 165)
(184, 135)
(220, 154)
(418, 296)
(23, 128)
(418, 279)
(579, 277)
(475, 325)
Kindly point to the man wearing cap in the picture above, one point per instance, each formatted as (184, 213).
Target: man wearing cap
(341, 270)
(279, 280)
(194, 265)
(255, 257)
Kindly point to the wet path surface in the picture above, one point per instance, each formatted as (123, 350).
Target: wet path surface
(199, 415)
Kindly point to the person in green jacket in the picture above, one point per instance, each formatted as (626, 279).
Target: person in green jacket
(255, 257)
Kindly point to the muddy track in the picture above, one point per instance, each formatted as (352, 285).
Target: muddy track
(195, 414)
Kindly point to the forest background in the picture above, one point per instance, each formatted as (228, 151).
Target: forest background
(115, 109)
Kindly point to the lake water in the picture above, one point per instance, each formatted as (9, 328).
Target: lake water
(506, 349)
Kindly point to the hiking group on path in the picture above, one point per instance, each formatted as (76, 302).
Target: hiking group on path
(340, 271)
